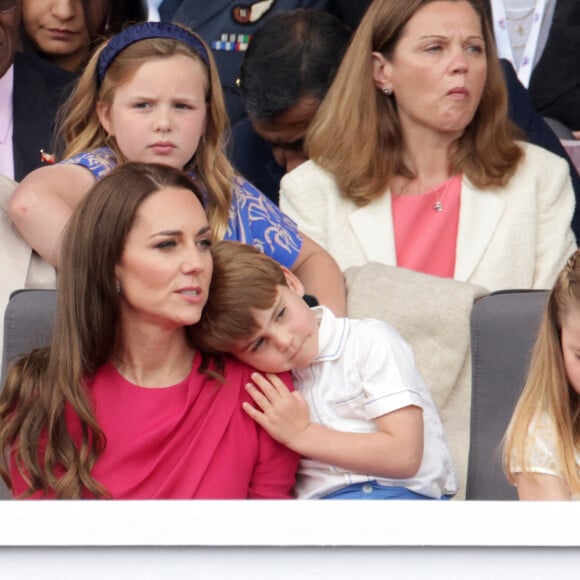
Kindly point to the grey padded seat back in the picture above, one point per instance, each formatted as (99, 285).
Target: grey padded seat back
(28, 324)
(503, 330)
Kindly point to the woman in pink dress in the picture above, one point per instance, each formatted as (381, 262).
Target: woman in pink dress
(122, 404)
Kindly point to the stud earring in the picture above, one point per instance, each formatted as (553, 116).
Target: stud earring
(388, 91)
(118, 286)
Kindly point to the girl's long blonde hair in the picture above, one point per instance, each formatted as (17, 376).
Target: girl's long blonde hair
(547, 389)
(81, 131)
(356, 134)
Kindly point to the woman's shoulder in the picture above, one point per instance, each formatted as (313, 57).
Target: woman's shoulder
(539, 158)
(309, 171)
(539, 170)
(234, 368)
(308, 188)
(236, 371)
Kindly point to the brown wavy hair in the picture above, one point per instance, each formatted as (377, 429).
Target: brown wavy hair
(79, 127)
(356, 134)
(243, 280)
(42, 386)
(547, 389)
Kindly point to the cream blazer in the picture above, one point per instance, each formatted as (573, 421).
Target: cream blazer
(20, 267)
(515, 237)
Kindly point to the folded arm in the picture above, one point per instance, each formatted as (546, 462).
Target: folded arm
(43, 202)
(394, 451)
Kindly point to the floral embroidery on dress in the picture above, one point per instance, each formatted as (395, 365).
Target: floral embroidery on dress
(99, 161)
(255, 220)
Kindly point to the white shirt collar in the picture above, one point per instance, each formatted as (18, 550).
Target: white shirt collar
(332, 333)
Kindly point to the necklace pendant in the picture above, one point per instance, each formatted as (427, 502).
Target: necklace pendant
(438, 206)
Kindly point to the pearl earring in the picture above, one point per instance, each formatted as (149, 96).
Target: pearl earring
(388, 91)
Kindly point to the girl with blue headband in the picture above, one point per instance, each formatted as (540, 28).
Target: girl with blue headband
(152, 94)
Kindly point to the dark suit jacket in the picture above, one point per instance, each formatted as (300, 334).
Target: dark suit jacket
(523, 113)
(252, 157)
(349, 11)
(555, 82)
(39, 88)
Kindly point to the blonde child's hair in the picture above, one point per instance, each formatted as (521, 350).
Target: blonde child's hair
(81, 131)
(547, 389)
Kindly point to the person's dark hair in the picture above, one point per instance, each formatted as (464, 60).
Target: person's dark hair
(44, 386)
(123, 13)
(103, 18)
(293, 54)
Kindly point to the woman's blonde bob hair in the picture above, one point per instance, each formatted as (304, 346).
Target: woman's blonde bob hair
(356, 134)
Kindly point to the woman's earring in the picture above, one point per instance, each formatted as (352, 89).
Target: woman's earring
(388, 91)
(118, 286)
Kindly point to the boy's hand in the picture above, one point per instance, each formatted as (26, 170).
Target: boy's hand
(283, 414)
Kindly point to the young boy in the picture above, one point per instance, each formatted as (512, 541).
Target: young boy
(361, 417)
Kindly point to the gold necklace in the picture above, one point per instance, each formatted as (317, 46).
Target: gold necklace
(519, 27)
(438, 205)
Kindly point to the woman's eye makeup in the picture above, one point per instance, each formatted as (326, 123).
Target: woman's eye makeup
(476, 48)
(165, 244)
(205, 243)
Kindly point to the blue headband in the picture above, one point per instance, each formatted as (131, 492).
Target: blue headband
(143, 31)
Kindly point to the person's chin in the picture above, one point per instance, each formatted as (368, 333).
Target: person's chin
(276, 370)
(301, 361)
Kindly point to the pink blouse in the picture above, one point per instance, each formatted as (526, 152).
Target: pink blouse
(426, 228)
(190, 440)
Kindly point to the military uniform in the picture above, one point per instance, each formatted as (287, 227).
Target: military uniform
(227, 27)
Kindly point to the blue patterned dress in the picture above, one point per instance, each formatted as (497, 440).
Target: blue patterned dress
(253, 218)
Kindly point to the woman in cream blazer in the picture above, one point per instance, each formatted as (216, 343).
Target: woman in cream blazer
(417, 114)
(518, 236)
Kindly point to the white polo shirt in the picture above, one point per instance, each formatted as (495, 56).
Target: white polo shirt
(365, 369)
